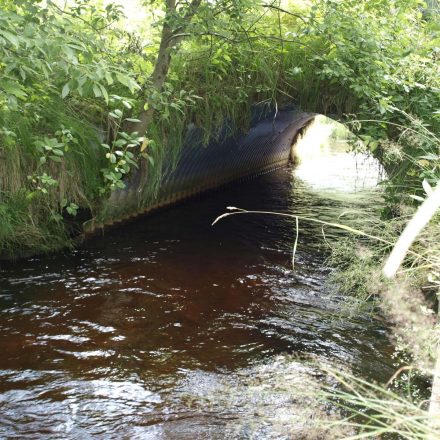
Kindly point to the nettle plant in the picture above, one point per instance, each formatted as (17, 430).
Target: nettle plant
(122, 148)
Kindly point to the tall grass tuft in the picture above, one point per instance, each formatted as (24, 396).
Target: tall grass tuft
(375, 411)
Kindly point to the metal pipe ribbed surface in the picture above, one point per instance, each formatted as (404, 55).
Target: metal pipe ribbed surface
(266, 146)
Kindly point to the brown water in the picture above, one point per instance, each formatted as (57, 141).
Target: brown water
(119, 338)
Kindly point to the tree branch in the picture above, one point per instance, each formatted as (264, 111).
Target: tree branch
(70, 14)
(277, 8)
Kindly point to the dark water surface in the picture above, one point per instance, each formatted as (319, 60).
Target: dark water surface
(109, 341)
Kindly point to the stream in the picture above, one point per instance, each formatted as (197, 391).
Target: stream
(170, 328)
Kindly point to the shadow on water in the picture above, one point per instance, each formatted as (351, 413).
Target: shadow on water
(111, 339)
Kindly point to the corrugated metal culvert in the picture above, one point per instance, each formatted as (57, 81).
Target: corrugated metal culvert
(266, 146)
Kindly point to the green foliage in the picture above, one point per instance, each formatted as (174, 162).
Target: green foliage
(381, 57)
(41, 50)
(55, 82)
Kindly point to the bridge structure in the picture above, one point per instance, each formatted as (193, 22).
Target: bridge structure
(267, 145)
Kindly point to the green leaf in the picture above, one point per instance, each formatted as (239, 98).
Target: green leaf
(65, 91)
(109, 78)
(70, 53)
(430, 156)
(104, 92)
(97, 90)
(120, 143)
(123, 79)
(127, 82)
(13, 39)
(72, 209)
(13, 88)
(373, 146)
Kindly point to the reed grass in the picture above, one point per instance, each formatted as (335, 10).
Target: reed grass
(375, 411)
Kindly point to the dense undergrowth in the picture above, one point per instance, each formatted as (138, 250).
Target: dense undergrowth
(54, 85)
